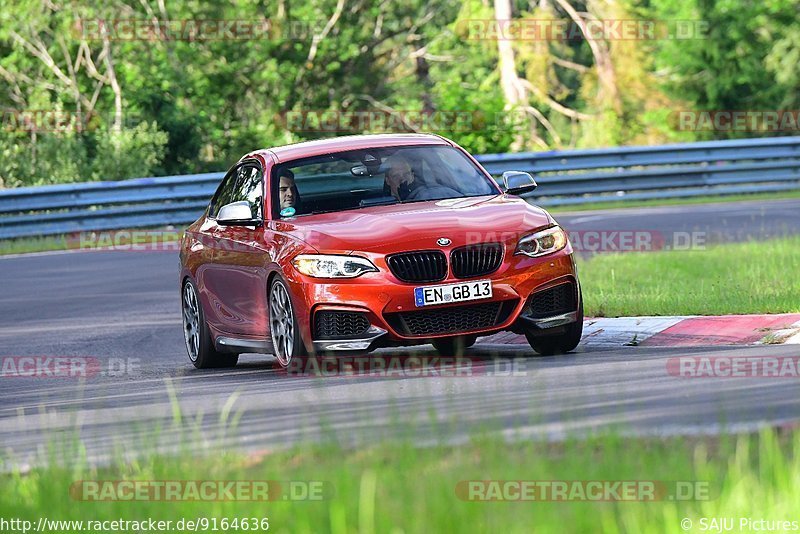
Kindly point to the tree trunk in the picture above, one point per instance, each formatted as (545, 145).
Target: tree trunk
(513, 90)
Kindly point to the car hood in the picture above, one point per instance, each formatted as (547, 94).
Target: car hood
(416, 226)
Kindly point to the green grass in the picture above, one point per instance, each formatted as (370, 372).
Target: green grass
(711, 199)
(395, 487)
(740, 278)
(105, 239)
(32, 244)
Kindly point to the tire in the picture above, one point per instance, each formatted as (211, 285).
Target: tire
(560, 343)
(286, 340)
(454, 346)
(197, 336)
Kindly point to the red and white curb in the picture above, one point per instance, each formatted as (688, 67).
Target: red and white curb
(679, 331)
(631, 331)
(730, 330)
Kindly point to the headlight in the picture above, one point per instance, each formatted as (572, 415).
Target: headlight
(542, 242)
(330, 266)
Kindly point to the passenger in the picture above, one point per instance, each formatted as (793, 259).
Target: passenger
(288, 195)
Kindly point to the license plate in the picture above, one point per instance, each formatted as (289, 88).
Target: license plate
(444, 294)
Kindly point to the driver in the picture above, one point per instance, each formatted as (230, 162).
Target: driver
(399, 177)
(401, 182)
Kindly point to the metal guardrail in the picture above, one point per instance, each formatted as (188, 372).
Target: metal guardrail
(565, 178)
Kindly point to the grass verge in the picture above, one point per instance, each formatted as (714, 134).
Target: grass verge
(395, 487)
(32, 244)
(124, 240)
(739, 278)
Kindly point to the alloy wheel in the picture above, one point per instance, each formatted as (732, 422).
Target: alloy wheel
(191, 321)
(281, 323)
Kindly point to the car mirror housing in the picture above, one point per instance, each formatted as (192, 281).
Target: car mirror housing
(518, 182)
(359, 170)
(237, 214)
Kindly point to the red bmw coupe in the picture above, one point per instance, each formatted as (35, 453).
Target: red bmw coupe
(355, 243)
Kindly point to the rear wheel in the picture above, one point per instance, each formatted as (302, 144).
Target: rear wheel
(559, 343)
(197, 336)
(286, 340)
(454, 346)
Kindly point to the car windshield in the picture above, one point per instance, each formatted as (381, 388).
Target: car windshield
(376, 176)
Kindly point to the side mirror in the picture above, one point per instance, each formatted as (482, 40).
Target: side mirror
(518, 182)
(237, 214)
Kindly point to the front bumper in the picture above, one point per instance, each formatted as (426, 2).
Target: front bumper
(383, 299)
(362, 342)
(553, 321)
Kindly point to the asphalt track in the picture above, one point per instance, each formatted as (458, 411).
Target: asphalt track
(115, 307)
(723, 222)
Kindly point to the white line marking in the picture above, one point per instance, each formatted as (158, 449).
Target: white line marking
(38, 254)
(785, 336)
(580, 220)
(617, 331)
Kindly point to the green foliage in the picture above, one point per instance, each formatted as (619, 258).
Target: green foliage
(129, 152)
(71, 157)
(198, 105)
(47, 159)
(783, 62)
(746, 60)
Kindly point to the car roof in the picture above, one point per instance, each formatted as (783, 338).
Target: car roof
(319, 147)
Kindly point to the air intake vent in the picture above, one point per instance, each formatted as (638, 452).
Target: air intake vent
(554, 301)
(451, 320)
(339, 324)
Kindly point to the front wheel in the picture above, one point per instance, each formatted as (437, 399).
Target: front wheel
(286, 340)
(559, 343)
(197, 336)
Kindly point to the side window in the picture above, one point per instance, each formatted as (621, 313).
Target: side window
(224, 192)
(241, 183)
(248, 187)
